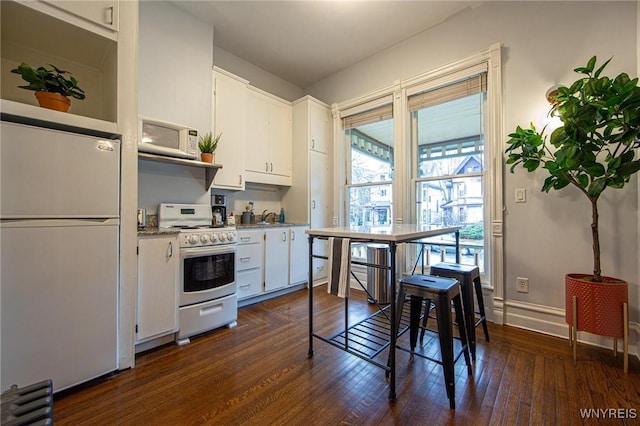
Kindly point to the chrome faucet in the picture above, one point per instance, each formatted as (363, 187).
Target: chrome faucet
(266, 215)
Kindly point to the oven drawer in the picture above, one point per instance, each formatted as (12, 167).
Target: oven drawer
(249, 283)
(248, 257)
(201, 317)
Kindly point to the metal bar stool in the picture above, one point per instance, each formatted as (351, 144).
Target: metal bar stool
(469, 277)
(443, 291)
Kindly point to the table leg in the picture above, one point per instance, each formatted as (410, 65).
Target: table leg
(310, 284)
(392, 331)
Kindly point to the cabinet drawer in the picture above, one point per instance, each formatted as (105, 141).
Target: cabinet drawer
(208, 315)
(249, 283)
(250, 237)
(248, 257)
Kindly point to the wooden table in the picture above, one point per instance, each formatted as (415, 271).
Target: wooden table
(392, 236)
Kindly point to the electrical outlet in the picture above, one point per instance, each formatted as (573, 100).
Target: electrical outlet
(522, 285)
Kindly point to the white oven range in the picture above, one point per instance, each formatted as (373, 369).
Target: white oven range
(207, 286)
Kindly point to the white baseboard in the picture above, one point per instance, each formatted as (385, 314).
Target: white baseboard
(549, 320)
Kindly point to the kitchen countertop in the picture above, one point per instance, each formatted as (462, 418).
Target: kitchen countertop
(269, 225)
(150, 231)
(157, 231)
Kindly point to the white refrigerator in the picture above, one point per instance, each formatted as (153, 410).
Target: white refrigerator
(59, 223)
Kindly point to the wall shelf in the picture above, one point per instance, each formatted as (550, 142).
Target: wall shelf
(210, 168)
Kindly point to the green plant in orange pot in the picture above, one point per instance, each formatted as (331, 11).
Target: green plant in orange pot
(593, 150)
(52, 87)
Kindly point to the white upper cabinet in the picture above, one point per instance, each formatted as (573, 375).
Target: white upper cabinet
(229, 118)
(319, 127)
(268, 142)
(103, 13)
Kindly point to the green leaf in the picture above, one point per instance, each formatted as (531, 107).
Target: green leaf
(602, 67)
(583, 180)
(597, 186)
(594, 170)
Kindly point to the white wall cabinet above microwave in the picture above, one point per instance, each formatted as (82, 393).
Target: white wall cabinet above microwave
(268, 139)
(229, 118)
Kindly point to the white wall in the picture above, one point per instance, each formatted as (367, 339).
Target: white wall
(175, 84)
(548, 236)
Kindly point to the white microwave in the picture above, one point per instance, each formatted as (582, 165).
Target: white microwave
(170, 139)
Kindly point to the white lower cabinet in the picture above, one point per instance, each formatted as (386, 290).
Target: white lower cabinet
(271, 259)
(249, 260)
(157, 306)
(298, 255)
(276, 258)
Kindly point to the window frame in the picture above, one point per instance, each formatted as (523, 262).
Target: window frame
(403, 194)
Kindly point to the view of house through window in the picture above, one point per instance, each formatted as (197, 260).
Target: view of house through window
(369, 135)
(447, 131)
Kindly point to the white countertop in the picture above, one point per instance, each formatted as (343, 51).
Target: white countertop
(394, 233)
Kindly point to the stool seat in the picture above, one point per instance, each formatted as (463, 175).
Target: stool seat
(469, 278)
(443, 292)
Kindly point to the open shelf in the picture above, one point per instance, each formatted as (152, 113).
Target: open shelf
(210, 168)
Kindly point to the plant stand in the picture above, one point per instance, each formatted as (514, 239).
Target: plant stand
(598, 308)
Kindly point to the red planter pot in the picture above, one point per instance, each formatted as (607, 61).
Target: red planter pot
(599, 305)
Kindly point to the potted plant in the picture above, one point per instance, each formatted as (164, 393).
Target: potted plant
(207, 145)
(593, 150)
(52, 87)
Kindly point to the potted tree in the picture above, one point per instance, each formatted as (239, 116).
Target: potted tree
(52, 87)
(207, 145)
(593, 150)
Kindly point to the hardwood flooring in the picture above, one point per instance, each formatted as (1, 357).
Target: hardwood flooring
(258, 373)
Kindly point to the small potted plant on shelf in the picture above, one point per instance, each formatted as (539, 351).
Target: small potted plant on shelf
(594, 149)
(52, 87)
(207, 145)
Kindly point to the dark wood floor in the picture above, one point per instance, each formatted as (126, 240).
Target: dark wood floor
(258, 373)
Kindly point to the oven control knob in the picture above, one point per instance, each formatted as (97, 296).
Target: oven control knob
(213, 238)
(222, 237)
(193, 239)
(204, 238)
(231, 236)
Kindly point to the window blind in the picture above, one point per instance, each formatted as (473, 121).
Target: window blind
(469, 86)
(368, 113)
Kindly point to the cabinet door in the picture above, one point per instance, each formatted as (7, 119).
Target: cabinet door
(320, 199)
(257, 139)
(280, 139)
(229, 112)
(276, 258)
(104, 13)
(157, 312)
(298, 256)
(319, 128)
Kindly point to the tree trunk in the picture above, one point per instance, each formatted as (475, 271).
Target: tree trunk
(597, 273)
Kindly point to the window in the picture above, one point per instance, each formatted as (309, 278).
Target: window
(447, 136)
(369, 137)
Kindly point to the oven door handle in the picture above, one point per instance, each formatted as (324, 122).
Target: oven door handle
(206, 251)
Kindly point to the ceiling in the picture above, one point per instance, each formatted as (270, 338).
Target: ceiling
(303, 42)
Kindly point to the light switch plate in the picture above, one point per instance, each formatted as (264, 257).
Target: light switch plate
(521, 195)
